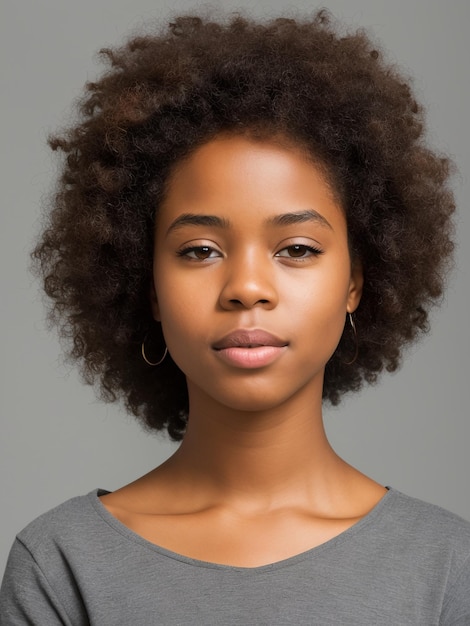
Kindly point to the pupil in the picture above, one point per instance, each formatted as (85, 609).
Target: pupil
(297, 250)
(203, 252)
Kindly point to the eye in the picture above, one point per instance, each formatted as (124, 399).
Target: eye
(299, 251)
(199, 253)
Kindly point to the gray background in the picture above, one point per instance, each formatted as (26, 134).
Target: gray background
(412, 431)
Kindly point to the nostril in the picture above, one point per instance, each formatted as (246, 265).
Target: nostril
(237, 302)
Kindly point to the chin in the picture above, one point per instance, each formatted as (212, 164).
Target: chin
(240, 398)
(255, 400)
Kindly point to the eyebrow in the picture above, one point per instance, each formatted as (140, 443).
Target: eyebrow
(192, 219)
(284, 219)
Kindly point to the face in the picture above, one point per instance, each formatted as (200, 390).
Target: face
(252, 274)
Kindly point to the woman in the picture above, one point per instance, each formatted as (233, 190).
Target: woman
(248, 224)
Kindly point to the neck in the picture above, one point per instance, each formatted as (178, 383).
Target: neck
(258, 458)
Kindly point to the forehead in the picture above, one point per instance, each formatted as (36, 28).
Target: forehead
(260, 163)
(249, 187)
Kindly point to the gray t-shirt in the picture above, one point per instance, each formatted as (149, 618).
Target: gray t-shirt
(406, 562)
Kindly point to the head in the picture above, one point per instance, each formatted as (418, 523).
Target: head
(251, 239)
(290, 88)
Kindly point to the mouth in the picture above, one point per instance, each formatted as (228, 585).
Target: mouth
(249, 339)
(249, 349)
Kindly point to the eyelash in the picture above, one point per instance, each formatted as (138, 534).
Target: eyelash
(311, 249)
(184, 252)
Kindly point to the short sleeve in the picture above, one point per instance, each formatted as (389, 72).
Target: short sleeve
(26, 596)
(456, 610)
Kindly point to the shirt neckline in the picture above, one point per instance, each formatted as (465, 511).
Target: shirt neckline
(132, 536)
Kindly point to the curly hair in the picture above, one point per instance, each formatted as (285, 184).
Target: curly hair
(166, 93)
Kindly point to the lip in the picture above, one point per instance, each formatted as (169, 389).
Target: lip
(242, 338)
(249, 349)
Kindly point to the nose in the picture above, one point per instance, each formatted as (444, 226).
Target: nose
(249, 282)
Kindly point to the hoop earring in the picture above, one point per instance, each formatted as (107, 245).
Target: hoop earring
(356, 343)
(145, 357)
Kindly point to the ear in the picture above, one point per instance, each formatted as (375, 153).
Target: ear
(154, 302)
(356, 284)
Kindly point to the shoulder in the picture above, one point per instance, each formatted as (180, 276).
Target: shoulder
(428, 520)
(429, 535)
(418, 552)
(67, 519)
(77, 529)
(47, 555)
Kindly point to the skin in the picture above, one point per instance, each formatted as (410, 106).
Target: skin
(255, 479)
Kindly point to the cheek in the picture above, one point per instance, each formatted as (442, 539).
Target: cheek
(179, 313)
(324, 309)
(326, 291)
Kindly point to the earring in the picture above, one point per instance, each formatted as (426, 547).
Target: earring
(145, 357)
(356, 343)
